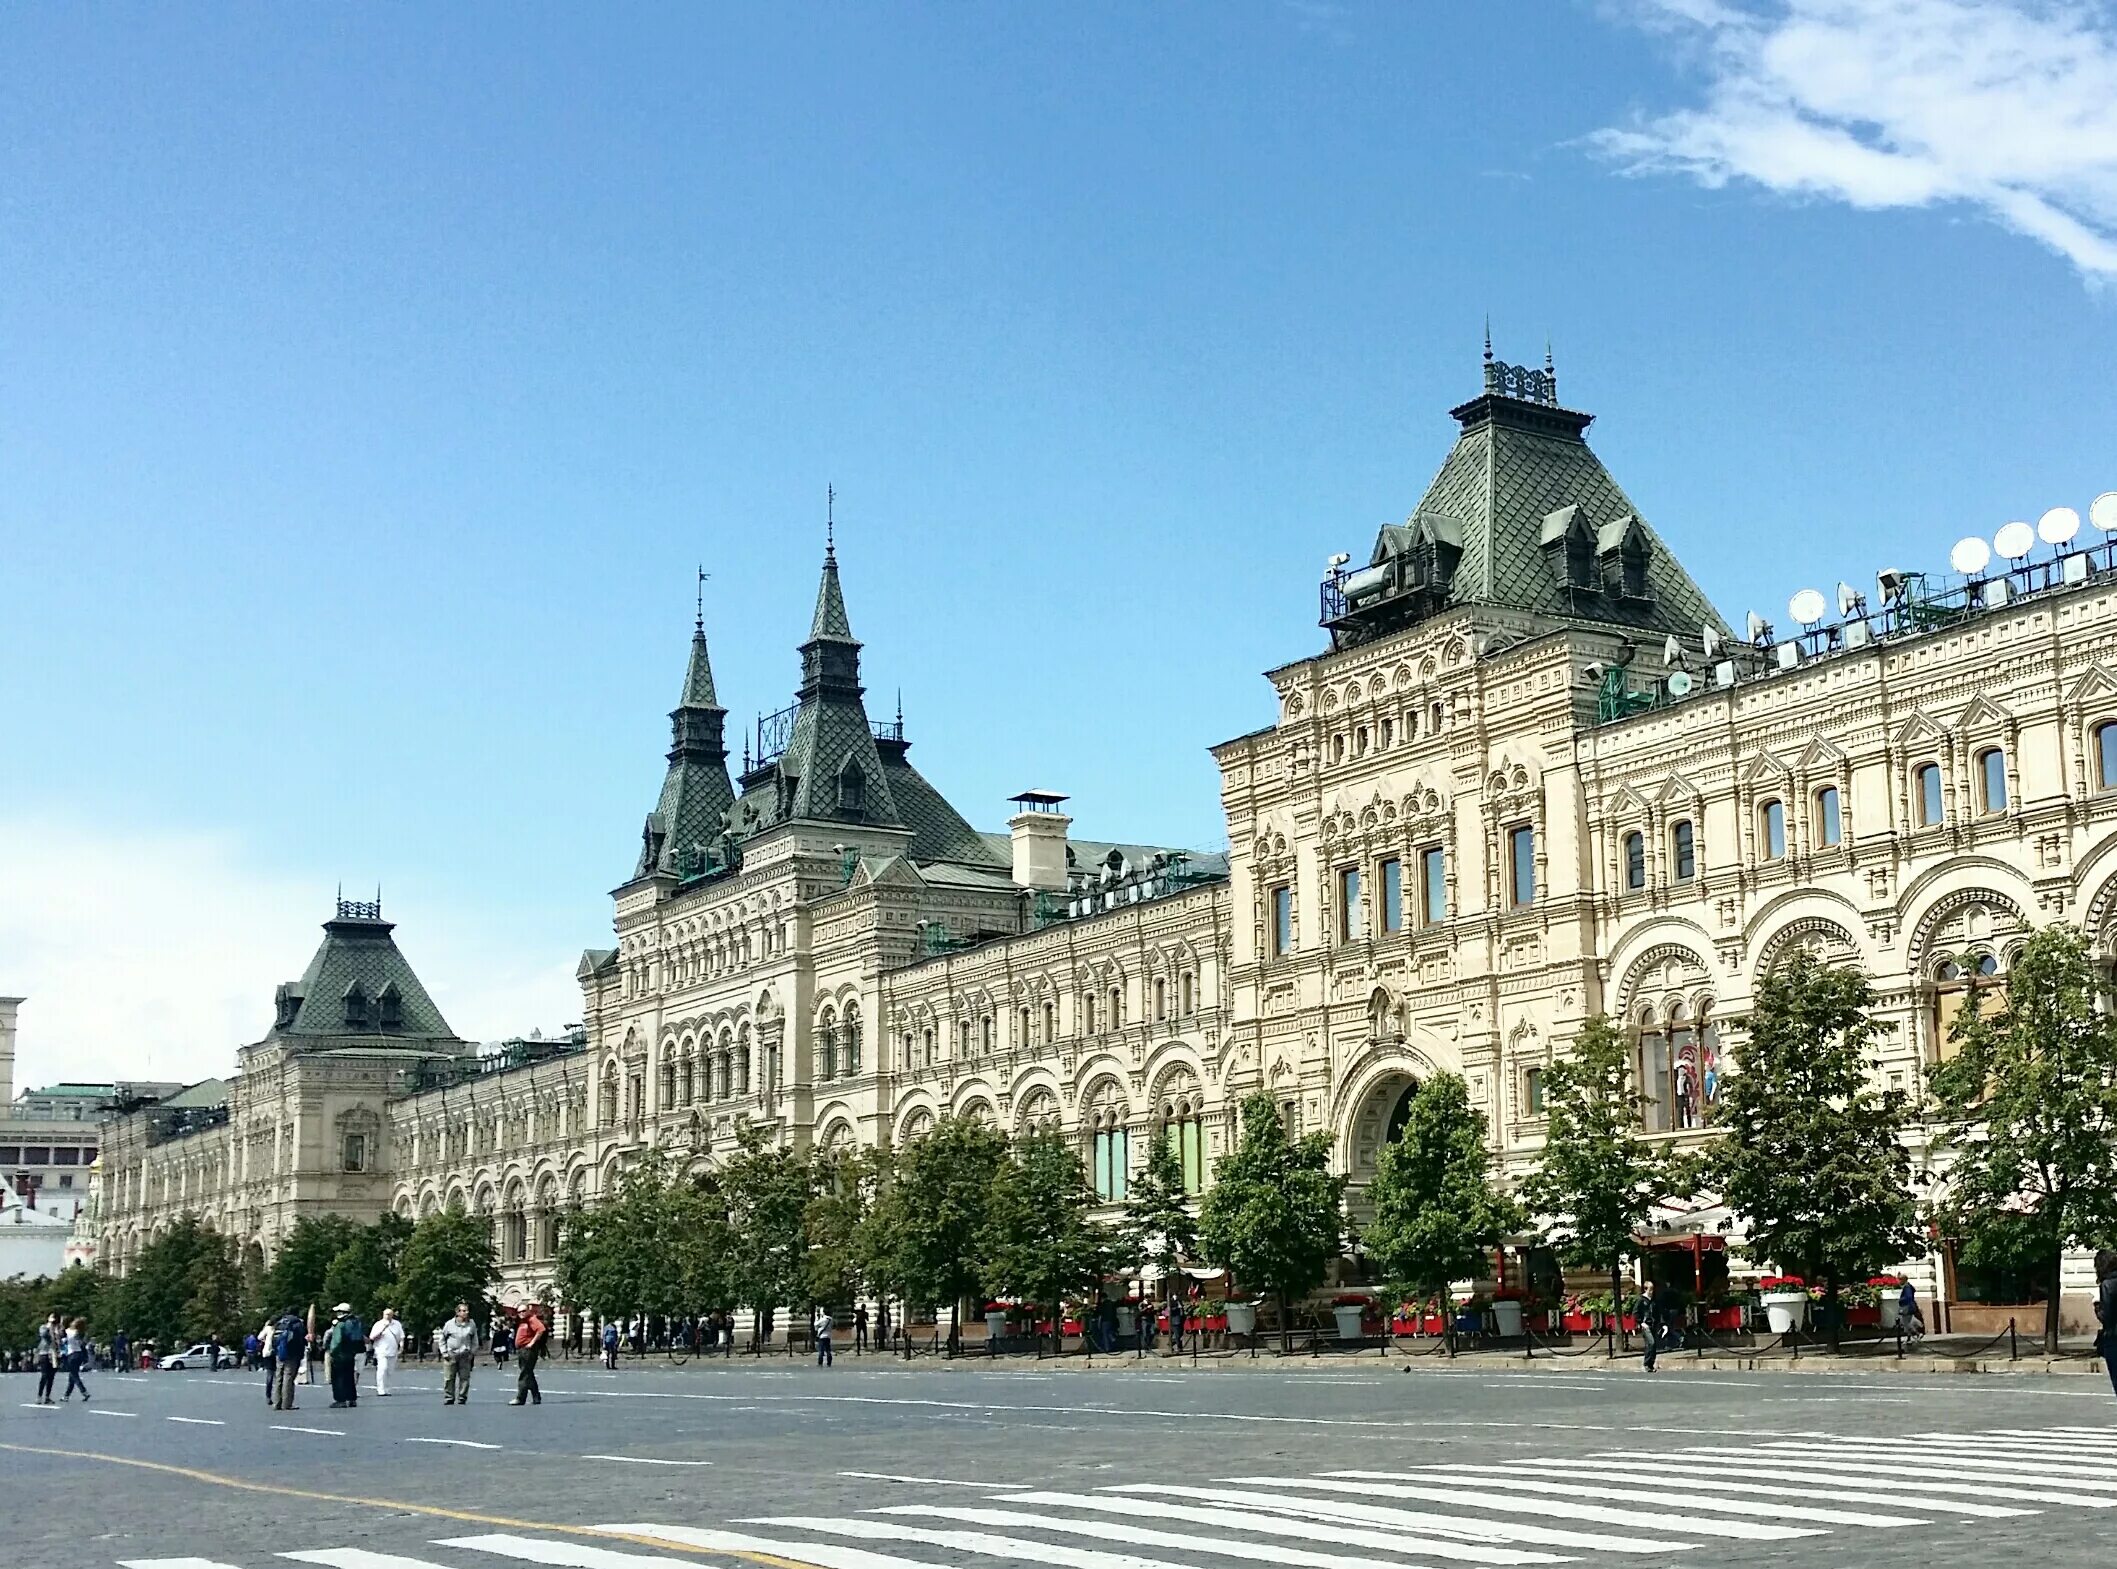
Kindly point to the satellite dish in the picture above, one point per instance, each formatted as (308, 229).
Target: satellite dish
(1970, 556)
(1807, 607)
(1757, 628)
(1851, 602)
(1679, 683)
(1671, 650)
(1711, 640)
(2058, 526)
(2014, 540)
(2102, 512)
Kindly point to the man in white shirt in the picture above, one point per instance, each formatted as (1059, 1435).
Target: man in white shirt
(388, 1345)
(823, 1327)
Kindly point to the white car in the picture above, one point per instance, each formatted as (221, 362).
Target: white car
(200, 1355)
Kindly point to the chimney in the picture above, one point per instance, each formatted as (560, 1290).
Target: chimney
(8, 1005)
(1039, 831)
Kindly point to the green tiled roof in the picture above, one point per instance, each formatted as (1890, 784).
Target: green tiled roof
(939, 832)
(1514, 465)
(830, 618)
(692, 812)
(358, 950)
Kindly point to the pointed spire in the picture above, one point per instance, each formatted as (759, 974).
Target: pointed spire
(1488, 337)
(829, 623)
(698, 674)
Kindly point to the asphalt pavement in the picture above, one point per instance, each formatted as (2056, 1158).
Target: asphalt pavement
(879, 1464)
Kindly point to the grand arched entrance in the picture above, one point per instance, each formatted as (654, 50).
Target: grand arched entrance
(1383, 1110)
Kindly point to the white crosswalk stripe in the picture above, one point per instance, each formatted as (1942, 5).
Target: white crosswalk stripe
(1513, 1512)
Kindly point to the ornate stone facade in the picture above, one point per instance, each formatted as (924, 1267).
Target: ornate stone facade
(1533, 778)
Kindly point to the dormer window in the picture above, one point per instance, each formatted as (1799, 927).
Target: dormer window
(1626, 553)
(852, 788)
(356, 1007)
(389, 1008)
(1569, 549)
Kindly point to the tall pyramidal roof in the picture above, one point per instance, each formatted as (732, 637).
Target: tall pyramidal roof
(689, 821)
(358, 985)
(1523, 515)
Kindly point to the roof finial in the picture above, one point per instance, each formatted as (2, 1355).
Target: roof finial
(900, 713)
(830, 520)
(1488, 337)
(698, 623)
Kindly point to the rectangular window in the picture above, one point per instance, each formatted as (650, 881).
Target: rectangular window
(356, 1152)
(1521, 865)
(1392, 895)
(1635, 854)
(1533, 1091)
(65, 1157)
(1190, 1149)
(36, 1155)
(1282, 920)
(1683, 847)
(1829, 829)
(1352, 920)
(1433, 886)
(10, 1154)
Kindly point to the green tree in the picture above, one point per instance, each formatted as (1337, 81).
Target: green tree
(297, 1273)
(1038, 1242)
(846, 1184)
(1160, 1229)
(2028, 1105)
(767, 1189)
(360, 1275)
(447, 1259)
(1596, 1178)
(633, 1250)
(1437, 1216)
(931, 1217)
(185, 1284)
(1812, 1155)
(1274, 1216)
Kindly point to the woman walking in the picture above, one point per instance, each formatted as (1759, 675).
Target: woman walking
(2106, 1312)
(76, 1354)
(51, 1339)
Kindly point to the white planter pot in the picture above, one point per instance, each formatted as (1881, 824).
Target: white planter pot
(1242, 1318)
(1890, 1305)
(995, 1325)
(1348, 1322)
(1786, 1310)
(1507, 1316)
(1127, 1319)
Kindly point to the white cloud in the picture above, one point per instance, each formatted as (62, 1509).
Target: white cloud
(154, 956)
(2006, 106)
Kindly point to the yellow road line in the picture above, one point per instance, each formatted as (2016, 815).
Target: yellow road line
(471, 1515)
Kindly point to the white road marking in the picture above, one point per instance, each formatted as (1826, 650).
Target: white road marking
(100, 1411)
(578, 1555)
(927, 1481)
(38, 1405)
(321, 1432)
(1016, 1549)
(460, 1443)
(1497, 1476)
(171, 1563)
(1883, 1476)
(197, 1421)
(1461, 1537)
(2071, 1451)
(1179, 1541)
(644, 1460)
(358, 1558)
(2090, 1480)
(1383, 1484)
(1654, 1471)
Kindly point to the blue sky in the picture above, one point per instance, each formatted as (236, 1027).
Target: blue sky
(376, 376)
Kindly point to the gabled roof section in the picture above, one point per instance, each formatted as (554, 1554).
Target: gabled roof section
(358, 960)
(1518, 486)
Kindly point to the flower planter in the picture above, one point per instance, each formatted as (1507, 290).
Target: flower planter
(1575, 1323)
(1431, 1324)
(1242, 1318)
(1348, 1321)
(1538, 1323)
(1863, 1317)
(1888, 1310)
(995, 1325)
(1507, 1317)
(1786, 1310)
(1469, 1323)
(1724, 1317)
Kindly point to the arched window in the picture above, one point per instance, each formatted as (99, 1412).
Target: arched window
(1992, 780)
(722, 1070)
(1926, 795)
(1184, 1128)
(668, 1086)
(1676, 1061)
(1635, 857)
(1161, 999)
(929, 1044)
(852, 788)
(1110, 1152)
(1954, 979)
(1771, 824)
(827, 1046)
(1117, 1008)
(1021, 1027)
(1683, 851)
(356, 1007)
(690, 1084)
(2106, 756)
(985, 1034)
(1050, 1022)
(742, 1068)
(1089, 1010)
(852, 1037)
(1188, 993)
(606, 1100)
(1830, 827)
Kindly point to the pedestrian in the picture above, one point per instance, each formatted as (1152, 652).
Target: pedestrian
(290, 1339)
(51, 1343)
(860, 1329)
(458, 1341)
(530, 1339)
(315, 1342)
(1907, 1308)
(266, 1335)
(75, 1354)
(1176, 1306)
(1650, 1314)
(250, 1350)
(610, 1344)
(503, 1338)
(348, 1338)
(2106, 1311)
(882, 1325)
(388, 1345)
(823, 1327)
(121, 1352)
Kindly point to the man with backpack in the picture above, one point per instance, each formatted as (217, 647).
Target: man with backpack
(343, 1344)
(610, 1344)
(290, 1341)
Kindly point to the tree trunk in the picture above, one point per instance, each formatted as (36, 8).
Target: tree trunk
(1286, 1328)
(1617, 1302)
(1448, 1319)
(2051, 1305)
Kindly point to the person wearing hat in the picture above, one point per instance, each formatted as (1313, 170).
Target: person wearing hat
(343, 1345)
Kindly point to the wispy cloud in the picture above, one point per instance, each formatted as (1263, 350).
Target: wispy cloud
(153, 956)
(2008, 107)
